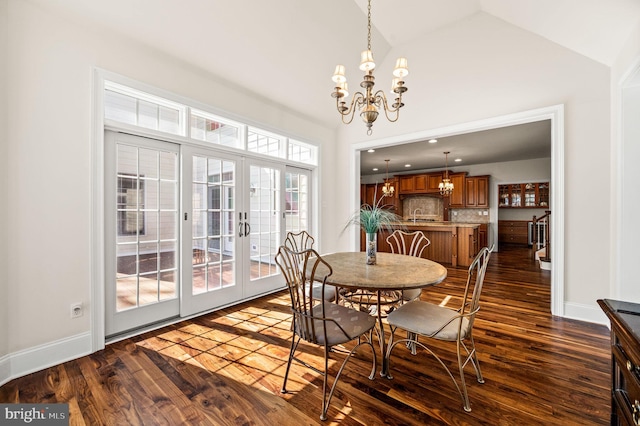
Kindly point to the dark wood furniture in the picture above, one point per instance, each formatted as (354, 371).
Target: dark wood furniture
(625, 360)
(524, 195)
(513, 231)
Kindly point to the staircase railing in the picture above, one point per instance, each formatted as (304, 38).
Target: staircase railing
(546, 243)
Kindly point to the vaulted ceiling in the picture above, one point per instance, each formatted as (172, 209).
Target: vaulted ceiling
(285, 50)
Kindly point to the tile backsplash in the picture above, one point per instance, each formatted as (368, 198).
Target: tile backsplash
(469, 215)
(430, 208)
(433, 208)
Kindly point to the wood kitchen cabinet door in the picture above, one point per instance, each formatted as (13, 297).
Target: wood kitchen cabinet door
(477, 191)
(513, 231)
(433, 181)
(457, 199)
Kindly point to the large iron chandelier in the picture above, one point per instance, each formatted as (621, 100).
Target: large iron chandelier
(446, 186)
(369, 102)
(387, 188)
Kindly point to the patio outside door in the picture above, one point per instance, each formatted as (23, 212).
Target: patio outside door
(141, 188)
(191, 229)
(212, 230)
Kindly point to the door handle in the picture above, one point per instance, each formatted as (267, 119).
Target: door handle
(247, 229)
(239, 229)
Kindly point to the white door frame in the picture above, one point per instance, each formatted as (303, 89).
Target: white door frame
(554, 113)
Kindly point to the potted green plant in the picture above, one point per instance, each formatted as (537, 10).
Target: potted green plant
(371, 219)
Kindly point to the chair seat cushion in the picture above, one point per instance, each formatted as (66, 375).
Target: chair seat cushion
(329, 292)
(426, 318)
(354, 323)
(411, 294)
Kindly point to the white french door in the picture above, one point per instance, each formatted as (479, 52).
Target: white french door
(192, 228)
(265, 216)
(141, 231)
(212, 230)
(233, 224)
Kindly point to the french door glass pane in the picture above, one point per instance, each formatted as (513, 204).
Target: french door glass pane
(265, 196)
(297, 202)
(213, 238)
(147, 226)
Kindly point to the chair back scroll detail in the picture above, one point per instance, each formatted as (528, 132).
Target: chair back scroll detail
(301, 269)
(299, 241)
(409, 243)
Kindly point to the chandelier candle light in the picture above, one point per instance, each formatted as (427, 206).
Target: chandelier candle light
(369, 102)
(446, 186)
(387, 189)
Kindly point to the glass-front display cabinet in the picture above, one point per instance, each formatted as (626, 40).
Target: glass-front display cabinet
(524, 195)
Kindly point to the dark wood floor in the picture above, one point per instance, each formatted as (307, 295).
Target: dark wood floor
(227, 368)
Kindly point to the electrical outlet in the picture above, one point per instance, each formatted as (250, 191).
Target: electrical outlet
(76, 310)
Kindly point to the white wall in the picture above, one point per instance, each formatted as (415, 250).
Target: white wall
(482, 68)
(4, 183)
(50, 69)
(625, 199)
(471, 70)
(629, 288)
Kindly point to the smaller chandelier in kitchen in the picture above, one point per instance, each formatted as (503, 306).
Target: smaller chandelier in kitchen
(446, 186)
(387, 188)
(369, 103)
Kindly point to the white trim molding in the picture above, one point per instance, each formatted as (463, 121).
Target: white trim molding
(555, 113)
(37, 358)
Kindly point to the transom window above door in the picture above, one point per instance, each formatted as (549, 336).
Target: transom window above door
(125, 105)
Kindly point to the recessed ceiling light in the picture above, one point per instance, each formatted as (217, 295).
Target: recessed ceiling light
(407, 165)
(371, 150)
(457, 160)
(375, 169)
(433, 140)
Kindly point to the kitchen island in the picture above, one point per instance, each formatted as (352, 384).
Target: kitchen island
(451, 242)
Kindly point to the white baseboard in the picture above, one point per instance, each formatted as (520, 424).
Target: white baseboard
(30, 360)
(585, 313)
(5, 369)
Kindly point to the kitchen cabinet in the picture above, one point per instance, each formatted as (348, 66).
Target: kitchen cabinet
(524, 195)
(513, 231)
(457, 199)
(419, 184)
(625, 360)
(412, 184)
(433, 182)
(371, 193)
(451, 243)
(477, 192)
(483, 236)
(467, 245)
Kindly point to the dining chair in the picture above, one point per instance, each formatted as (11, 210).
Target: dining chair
(410, 244)
(320, 322)
(420, 318)
(400, 242)
(301, 241)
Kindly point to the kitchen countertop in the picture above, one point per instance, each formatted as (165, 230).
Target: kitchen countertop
(438, 224)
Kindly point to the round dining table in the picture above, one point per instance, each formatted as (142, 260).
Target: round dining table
(391, 272)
